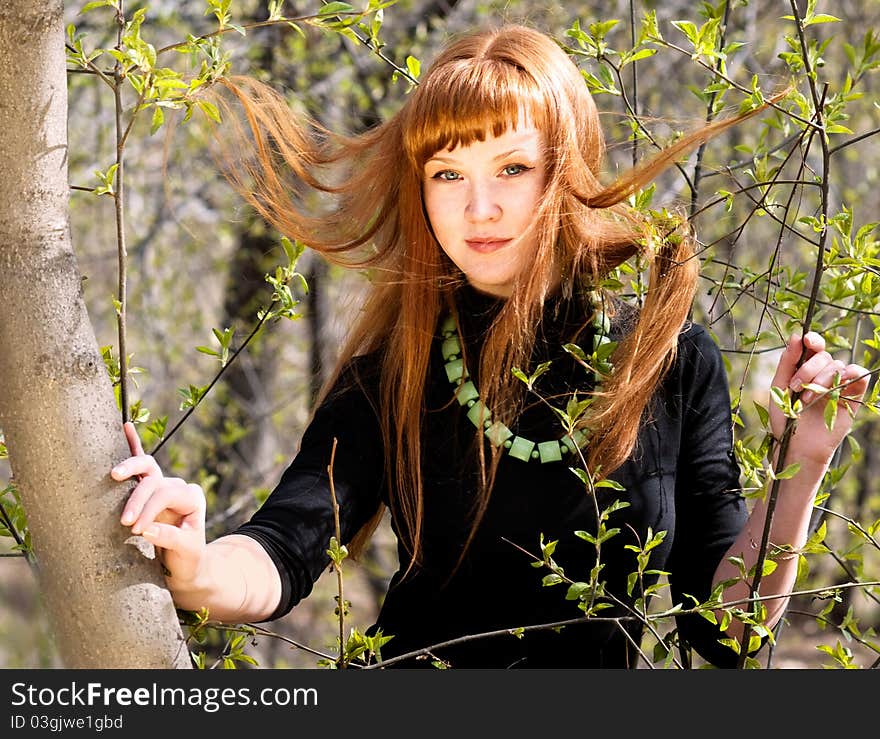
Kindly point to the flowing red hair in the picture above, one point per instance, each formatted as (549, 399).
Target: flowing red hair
(357, 199)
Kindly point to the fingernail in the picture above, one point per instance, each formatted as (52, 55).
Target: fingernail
(796, 384)
(151, 532)
(119, 470)
(807, 397)
(128, 518)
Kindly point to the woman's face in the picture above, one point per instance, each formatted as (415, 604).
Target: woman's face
(481, 201)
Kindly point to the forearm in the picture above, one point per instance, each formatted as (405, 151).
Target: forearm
(237, 582)
(789, 530)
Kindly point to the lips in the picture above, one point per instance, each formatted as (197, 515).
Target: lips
(488, 244)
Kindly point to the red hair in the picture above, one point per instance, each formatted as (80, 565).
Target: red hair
(480, 84)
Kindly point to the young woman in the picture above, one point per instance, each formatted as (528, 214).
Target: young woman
(480, 211)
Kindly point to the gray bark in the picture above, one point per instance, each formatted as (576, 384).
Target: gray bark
(105, 593)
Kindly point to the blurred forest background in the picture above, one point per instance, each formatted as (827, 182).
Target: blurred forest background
(198, 257)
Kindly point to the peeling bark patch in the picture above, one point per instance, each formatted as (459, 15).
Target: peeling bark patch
(142, 545)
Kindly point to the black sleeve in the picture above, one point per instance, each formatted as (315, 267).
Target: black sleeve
(710, 508)
(296, 521)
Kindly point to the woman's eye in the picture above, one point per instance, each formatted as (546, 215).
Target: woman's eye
(446, 174)
(514, 169)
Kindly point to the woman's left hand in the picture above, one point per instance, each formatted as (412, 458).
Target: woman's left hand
(812, 438)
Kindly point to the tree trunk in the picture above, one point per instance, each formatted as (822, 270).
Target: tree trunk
(107, 602)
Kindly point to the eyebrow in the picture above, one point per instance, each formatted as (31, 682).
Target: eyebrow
(494, 159)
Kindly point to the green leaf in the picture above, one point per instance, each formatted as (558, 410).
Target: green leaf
(688, 29)
(158, 120)
(830, 413)
(640, 54)
(335, 8)
(789, 472)
(586, 536)
(97, 4)
(821, 18)
(413, 66)
(768, 568)
(210, 110)
(575, 351)
(763, 414)
(613, 484)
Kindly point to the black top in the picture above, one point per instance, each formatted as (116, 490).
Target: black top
(682, 478)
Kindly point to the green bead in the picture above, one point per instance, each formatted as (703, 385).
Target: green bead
(498, 433)
(549, 451)
(466, 393)
(521, 448)
(450, 347)
(448, 326)
(455, 370)
(569, 444)
(478, 413)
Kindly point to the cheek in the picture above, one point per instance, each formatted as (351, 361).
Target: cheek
(527, 208)
(533, 197)
(431, 210)
(438, 209)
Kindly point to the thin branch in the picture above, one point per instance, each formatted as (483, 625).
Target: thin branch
(191, 409)
(119, 203)
(854, 140)
(341, 597)
(698, 165)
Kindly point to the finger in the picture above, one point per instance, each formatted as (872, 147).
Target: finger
(143, 464)
(810, 369)
(814, 342)
(138, 498)
(856, 378)
(175, 495)
(134, 441)
(186, 544)
(855, 383)
(788, 362)
(181, 550)
(828, 377)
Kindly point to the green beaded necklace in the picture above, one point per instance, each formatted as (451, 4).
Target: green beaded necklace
(498, 433)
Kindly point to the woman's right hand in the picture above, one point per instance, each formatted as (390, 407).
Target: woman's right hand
(167, 511)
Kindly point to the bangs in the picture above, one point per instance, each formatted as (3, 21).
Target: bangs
(466, 103)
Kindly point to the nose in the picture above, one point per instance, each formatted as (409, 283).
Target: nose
(482, 204)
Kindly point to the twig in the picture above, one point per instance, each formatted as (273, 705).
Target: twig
(341, 600)
(119, 208)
